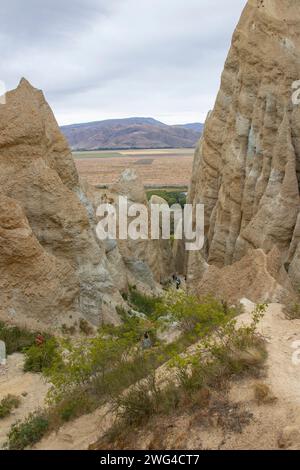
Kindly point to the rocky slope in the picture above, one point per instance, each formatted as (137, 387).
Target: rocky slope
(247, 164)
(53, 269)
(136, 133)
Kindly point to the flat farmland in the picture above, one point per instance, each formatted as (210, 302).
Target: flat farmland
(161, 168)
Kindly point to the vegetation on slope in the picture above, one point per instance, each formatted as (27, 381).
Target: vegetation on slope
(15, 338)
(228, 353)
(91, 371)
(28, 432)
(8, 404)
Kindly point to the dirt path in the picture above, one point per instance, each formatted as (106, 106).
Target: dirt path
(278, 422)
(13, 381)
(283, 375)
(78, 434)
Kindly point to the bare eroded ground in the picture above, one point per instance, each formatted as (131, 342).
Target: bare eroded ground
(30, 388)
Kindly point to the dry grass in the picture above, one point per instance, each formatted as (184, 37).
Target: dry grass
(263, 394)
(155, 167)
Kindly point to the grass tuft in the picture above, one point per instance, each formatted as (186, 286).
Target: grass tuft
(8, 404)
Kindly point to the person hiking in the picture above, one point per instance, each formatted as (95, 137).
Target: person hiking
(39, 340)
(178, 283)
(146, 342)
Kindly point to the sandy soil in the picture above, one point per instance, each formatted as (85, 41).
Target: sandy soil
(283, 379)
(30, 388)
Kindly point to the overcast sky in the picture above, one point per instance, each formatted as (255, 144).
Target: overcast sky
(101, 59)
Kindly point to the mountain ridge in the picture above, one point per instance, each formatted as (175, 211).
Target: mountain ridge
(131, 133)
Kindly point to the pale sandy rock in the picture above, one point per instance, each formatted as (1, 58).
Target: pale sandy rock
(33, 282)
(165, 258)
(129, 185)
(126, 258)
(289, 437)
(247, 164)
(38, 175)
(148, 261)
(256, 276)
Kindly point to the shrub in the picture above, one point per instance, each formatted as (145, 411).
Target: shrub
(293, 311)
(145, 400)
(144, 303)
(139, 403)
(68, 330)
(38, 358)
(263, 394)
(229, 351)
(85, 327)
(195, 315)
(72, 406)
(121, 312)
(90, 361)
(26, 433)
(7, 404)
(15, 338)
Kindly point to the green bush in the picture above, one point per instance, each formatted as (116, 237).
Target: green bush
(85, 327)
(171, 197)
(16, 339)
(26, 433)
(39, 358)
(73, 405)
(195, 315)
(7, 404)
(143, 303)
(229, 351)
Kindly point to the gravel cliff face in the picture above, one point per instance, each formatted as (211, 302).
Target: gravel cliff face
(52, 265)
(50, 260)
(247, 164)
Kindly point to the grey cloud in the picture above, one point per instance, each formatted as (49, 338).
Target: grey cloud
(32, 20)
(106, 58)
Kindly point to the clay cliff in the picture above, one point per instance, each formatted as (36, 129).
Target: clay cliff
(247, 164)
(53, 268)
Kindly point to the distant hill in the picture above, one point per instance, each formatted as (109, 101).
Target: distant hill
(195, 126)
(131, 133)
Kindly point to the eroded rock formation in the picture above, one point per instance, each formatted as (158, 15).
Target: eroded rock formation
(146, 261)
(38, 175)
(52, 265)
(247, 164)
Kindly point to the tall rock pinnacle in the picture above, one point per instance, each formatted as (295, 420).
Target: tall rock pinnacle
(247, 165)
